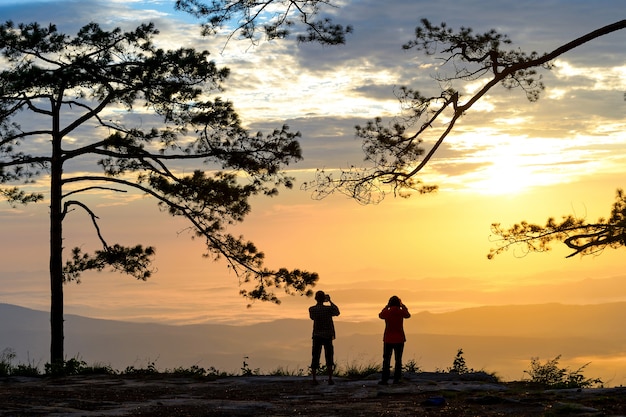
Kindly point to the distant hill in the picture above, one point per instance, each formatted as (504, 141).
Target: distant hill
(499, 339)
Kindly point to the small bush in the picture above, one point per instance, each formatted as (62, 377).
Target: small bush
(193, 371)
(280, 371)
(7, 368)
(551, 375)
(247, 371)
(26, 370)
(458, 365)
(411, 366)
(356, 371)
(216, 373)
(323, 370)
(150, 369)
(97, 369)
(72, 366)
(6, 359)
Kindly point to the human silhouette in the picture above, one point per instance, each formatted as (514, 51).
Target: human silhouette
(323, 333)
(394, 314)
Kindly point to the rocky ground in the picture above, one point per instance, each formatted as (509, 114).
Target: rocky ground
(423, 394)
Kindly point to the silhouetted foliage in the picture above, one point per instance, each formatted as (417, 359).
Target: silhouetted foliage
(6, 357)
(21, 369)
(73, 366)
(394, 154)
(458, 365)
(274, 18)
(550, 375)
(576, 233)
(190, 153)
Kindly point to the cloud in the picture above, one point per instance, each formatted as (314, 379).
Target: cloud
(324, 92)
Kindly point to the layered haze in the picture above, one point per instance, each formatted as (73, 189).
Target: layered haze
(499, 339)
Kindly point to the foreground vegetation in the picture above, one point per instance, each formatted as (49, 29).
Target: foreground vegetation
(549, 374)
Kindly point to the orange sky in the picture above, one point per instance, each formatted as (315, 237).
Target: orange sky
(430, 250)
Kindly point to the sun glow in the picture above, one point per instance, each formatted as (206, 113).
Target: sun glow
(503, 178)
(508, 165)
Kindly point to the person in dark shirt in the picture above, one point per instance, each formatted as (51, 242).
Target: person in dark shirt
(323, 333)
(394, 314)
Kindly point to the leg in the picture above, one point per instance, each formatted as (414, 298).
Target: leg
(387, 350)
(329, 353)
(397, 371)
(316, 352)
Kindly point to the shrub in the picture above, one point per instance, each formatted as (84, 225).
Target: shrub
(97, 369)
(551, 375)
(214, 372)
(355, 371)
(26, 370)
(150, 369)
(458, 365)
(73, 366)
(7, 368)
(411, 366)
(323, 370)
(194, 371)
(247, 371)
(6, 358)
(280, 371)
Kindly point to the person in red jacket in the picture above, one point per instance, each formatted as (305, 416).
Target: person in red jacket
(394, 314)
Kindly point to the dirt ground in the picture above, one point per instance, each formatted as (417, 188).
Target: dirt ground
(424, 394)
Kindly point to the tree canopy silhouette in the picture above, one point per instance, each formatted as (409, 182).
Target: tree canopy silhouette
(394, 152)
(274, 18)
(582, 237)
(63, 105)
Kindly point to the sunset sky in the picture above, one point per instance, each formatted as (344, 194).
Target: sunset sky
(507, 160)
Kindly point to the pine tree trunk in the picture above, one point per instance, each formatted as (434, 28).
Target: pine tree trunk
(56, 250)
